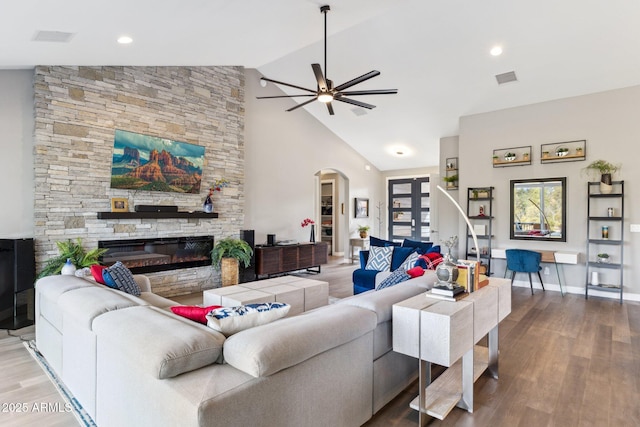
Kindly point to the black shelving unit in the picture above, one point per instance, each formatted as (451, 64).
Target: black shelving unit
(480, 212)
(599, 241)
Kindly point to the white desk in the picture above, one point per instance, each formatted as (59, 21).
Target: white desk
(445, 333)
(554, 257)
(358, 242)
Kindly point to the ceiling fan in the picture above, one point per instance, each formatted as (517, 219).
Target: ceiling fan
(326, 91)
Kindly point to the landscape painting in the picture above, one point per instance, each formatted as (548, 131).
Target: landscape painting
(143, 162)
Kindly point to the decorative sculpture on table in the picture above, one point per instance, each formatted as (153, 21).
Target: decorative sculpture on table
(447, 271)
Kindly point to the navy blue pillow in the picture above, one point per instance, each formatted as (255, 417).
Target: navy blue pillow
(374, 241)
(423, 247)
(435, 248)
(399, 255)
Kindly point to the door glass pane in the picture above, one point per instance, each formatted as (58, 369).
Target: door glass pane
(424, 202)
(425, 187)
(402, 231)
(425, 216)
(402, 202)
(403, 188)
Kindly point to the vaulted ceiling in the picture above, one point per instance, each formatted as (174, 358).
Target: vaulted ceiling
(435, 52)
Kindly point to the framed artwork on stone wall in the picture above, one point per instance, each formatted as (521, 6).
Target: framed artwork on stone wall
(362, 208)
(119, 204)
(151, 163)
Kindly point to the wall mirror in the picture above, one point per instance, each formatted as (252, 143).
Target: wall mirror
(538, 209)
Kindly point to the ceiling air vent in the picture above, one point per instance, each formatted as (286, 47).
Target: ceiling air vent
(506, 77)
(53, 36)
(359, 111)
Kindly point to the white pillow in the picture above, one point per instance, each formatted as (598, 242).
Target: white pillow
(379, 258)
(230, 320)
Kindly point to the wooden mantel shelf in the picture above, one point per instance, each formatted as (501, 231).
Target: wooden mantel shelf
(156, 215)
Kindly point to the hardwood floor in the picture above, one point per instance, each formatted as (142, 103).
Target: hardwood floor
(564, 361)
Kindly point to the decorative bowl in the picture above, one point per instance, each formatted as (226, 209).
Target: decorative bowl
(561, 152)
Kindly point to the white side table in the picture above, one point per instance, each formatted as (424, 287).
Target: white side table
(443, 332)
(358, 242)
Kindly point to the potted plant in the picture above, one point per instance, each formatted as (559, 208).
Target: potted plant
(451, 180)
(495, 159)
(509, 156)
(75, 253)
(562, 151)
(227, 254)
(363, 229)
(545, 154)
(606, 170)
(603, 258)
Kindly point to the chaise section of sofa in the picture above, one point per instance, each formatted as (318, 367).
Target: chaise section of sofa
(314, 369)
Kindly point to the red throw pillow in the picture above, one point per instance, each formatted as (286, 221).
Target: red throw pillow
(193, 312)
(431, 260)
(415, 272)
(96, 272)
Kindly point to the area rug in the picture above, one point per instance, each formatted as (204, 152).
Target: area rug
(78, 411)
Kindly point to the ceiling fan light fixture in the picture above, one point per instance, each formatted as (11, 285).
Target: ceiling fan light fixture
(325, 97)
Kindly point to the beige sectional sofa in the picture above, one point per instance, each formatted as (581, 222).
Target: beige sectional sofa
(131, 362)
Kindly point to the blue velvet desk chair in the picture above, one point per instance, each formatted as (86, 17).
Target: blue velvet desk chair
(523, 261)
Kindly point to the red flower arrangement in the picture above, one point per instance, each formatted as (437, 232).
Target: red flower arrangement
(307, 221)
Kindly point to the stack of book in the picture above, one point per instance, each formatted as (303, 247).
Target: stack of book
(445, 293)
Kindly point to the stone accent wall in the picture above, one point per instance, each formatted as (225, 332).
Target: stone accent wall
(77, 111)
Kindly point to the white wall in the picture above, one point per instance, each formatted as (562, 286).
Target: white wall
(16, 162)
(283, 153)
(608, 121)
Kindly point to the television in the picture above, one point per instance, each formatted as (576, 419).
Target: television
(151, 163)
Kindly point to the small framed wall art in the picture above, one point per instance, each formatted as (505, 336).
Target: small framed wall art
(362, 208)
(119, 204)
(570, 151)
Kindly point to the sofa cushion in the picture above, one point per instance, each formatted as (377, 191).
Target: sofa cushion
(194, 312)
(231, 320)
(422, 247)
(415, 272)
(374, 241)
(85, 304)
(394, 278)
(429, 261)
(379, 258)
(363, 280)
(96, 272)
(410, 261)
(120, 275)
(399, 255)
(271, 348)
(158, 342)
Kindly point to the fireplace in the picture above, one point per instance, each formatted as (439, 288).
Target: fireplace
(159, 254)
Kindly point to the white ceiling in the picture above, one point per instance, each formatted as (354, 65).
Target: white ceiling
(435, 52)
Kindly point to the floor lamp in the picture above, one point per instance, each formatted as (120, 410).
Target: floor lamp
(466, 219)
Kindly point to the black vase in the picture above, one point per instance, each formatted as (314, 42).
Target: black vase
(605, 178)
(312, 238)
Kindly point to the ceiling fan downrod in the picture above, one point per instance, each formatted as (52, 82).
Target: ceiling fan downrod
(324, 9)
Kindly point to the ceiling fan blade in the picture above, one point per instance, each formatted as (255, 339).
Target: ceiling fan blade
(330, 108)
(370, 92)
(303, 104)
(357, 80)
(282, 96)
(358, 103)
(322, 83)
(287, 84)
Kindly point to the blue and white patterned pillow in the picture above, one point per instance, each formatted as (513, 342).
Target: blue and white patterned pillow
(120, 277)
(399, 275)
(230, 320)
(410, 261)
(379, 258)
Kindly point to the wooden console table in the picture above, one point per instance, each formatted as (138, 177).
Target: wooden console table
(445, 333)
(271, 260)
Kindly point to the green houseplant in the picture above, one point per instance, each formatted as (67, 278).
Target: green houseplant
(451, 180)
(74, 251)
(227, 255)
(363, 230)
(606, 170)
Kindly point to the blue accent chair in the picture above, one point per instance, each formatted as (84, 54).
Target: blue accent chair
(523, 261)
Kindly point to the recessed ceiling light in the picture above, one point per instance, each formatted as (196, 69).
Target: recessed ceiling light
(125, 40)
(496, 51)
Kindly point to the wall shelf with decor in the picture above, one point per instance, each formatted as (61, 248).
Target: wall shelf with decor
(451, 173)
(516, 156)
(605, 239)
(480, 213)
(570, 151)
(157, 215)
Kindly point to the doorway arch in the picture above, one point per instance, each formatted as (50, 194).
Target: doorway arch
(339, 234)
